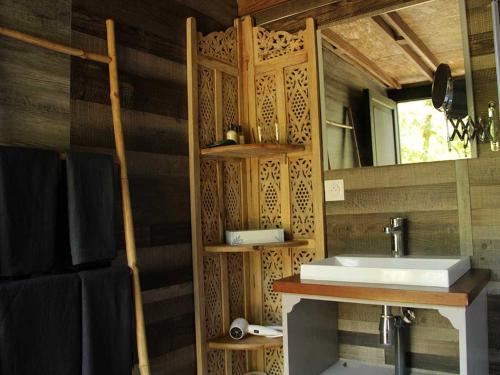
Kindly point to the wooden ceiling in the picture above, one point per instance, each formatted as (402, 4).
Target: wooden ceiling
(402, 47)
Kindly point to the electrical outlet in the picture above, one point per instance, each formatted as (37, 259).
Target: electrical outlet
(334, 190)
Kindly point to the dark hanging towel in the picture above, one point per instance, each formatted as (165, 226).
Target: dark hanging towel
(40, 326)
(107, 321)
(90, 207)
(28, 200)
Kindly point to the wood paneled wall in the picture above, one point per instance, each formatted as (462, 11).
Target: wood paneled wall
(453, 208)
(35, 83)
(152, 72)
(427, 195)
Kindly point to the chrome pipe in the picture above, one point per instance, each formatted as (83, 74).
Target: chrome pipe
(386, 327)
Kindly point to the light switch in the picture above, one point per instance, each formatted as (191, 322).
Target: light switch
(334, 190)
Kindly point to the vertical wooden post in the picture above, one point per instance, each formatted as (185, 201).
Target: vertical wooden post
(114, 93)
(316, 141)
(195, 195)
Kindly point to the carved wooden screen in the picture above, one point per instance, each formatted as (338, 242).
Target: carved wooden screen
(289, 192)
(277, 73)
(216, 194)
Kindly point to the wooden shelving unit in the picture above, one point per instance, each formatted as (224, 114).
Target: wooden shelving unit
(224, 248)
(267, 82)
(247, 343)
(253, 150)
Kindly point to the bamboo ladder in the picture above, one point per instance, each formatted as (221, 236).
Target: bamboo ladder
(110, 60)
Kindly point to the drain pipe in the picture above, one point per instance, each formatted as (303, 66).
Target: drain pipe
(386, 327)
(393, 331)
(400, 345)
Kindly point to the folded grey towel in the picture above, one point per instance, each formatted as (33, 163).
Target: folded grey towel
(28, 201)
(90, 207)
(40, 326)
(107, 321)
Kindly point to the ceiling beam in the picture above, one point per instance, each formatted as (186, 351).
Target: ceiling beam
(326, 13)
(246, 7)
(405, 47)
(402, 28)
(354, 54)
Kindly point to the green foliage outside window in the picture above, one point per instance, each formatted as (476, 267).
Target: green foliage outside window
(423, 136)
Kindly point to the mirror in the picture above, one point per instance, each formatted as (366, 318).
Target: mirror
(377, 86)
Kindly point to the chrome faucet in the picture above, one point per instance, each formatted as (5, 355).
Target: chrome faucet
(397, 230)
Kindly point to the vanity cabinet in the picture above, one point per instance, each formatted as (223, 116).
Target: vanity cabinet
(310, 321)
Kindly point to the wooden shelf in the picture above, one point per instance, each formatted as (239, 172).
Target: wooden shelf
(460, 294)
(224, 248)
(250, 150)
(249, 342)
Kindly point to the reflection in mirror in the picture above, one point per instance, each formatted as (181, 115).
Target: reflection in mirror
(378, 75)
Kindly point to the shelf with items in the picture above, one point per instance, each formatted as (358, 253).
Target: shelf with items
(247, 343)
(225, 248)
(271, 92)
(251, 150)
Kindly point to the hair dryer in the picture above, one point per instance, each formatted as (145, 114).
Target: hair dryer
(240, 328)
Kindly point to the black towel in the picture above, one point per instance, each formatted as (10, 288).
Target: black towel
(90, 207)
(28, 201)
(40, 326)
(107, 321)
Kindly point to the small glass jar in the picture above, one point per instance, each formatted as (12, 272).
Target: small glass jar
(232, 134)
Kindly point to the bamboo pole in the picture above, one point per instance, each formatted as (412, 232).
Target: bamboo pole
(142, 349)
(54, 46)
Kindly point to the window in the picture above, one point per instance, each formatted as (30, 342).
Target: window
(423, 134)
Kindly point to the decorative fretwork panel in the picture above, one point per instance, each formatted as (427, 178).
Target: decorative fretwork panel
(267, 112)
(229, 101)
(272, 269)
(239, 362)
(213, 296)
(206, 105)
(301, 197)
(297, 105)
(209, 202)
(220, 45)
(271, 44)
(215, 359)
(232, 194)
(274, 361)
(300, 257)
(270, 194)
(236, 285)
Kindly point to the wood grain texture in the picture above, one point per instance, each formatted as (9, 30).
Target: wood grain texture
(246, 7)
(338, 11)
(34, 82)
(151, 57)
(460, 294)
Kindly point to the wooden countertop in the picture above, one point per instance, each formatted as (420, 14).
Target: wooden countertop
(460, 294)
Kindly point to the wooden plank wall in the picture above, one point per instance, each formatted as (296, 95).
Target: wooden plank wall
(151, 53)
(35, 83)
(443, 201)
(444, 219)
(427, 195)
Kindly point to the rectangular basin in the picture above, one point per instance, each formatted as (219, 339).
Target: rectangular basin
(418, 271)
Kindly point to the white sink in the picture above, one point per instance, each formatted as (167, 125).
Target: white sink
(419, 271)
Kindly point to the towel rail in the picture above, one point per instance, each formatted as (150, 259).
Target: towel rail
(142, 349)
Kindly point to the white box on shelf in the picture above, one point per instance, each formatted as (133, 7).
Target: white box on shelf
(258, 236)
